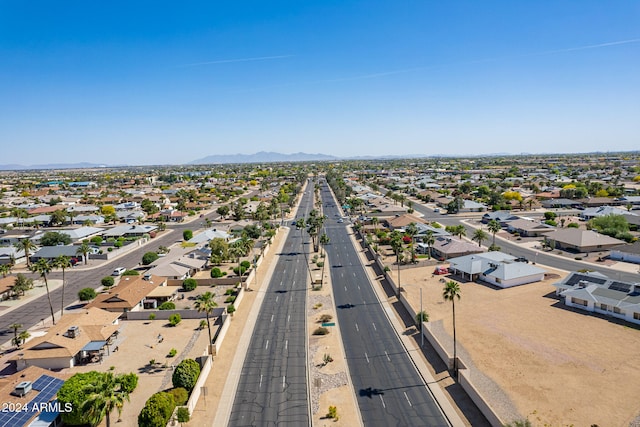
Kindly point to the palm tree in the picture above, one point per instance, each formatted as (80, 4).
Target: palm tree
(84, 250)
(479, 235)
(15, 327)
(62, 262)
(23, 337)
(102, 398)
(450, 292)
(375, 221)
(43, 267)
(396, 244)
(429, 239)
(5, 269)
(25, 245)
(460, 231)
(205, 302)
(494, 226)
(237, 250)
(422, 316)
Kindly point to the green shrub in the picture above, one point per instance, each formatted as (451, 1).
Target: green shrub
(128, 382)
(130, 273)
(187, 235)
(320, 264)
(180, 395)
(167, 305)
(118, 244)
(152, 316)
(172, 353)
(325, 318)
(551, 222)
(174, 319)
(231, 309)
(229, 291)
(573, 225)
(230, 299)
(96, 239)
(321, 331)
(86, 294)
(149, 258)
(182, 415)
(74, 392)
(216, 272)
(157, 410)
(186, 374)
(245, 264)
(333, 412)
(189, 284)
(107, 281)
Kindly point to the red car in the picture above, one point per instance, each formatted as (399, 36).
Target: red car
(441, 270)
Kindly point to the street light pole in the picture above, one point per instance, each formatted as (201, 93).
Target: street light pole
(421, 320)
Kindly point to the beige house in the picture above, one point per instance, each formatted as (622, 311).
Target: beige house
(129, 294)
(76, 338)
(403, 220)
(581, 240)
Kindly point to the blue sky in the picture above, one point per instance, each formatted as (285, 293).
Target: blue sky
(154, 82)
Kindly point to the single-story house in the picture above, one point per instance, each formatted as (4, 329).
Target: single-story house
(597, 212)
(561, 203)
(10, 254)
(503, 217)
(634, 201)
(6, 285)
(82, 233)
(74, 339)
(599, 201)
(473, 206)
(626, 252)
(579, 240)
(129, 294)
(448, 247)
(597, 293)
(497, 268)
(129, 231)
(528, 228)
(42, 389)
(52, 252)
(209, 235)
(402, 221)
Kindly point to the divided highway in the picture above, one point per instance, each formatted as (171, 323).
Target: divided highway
(273, 388)
(389, 390)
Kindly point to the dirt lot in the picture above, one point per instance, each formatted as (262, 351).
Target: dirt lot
(559, 367)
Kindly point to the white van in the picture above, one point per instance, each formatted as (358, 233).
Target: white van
(118, 271)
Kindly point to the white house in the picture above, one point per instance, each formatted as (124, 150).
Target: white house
(497, 268)
(597, 293)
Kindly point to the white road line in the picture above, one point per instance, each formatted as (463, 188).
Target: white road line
(373, 323)
(283, 380)
(354, 274)
(260, 386)
(294, 282)
(358, 286)
(407, 397)
(365, 356)
(387, 354)
(383, 405)
(266, 346)
(357, 329)
(288, 317)
(272, 318)
(277, 296)
(291, 299)
(345, 288)
(286, 344)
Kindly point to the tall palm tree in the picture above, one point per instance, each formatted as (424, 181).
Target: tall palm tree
(396, 245)
(27, 246)
(494, 226)
(103, 397)
(84, 250)
(429, 239)
(237, 250)
(62, 262)
(412, 230)
(479, 235)
(460, 231)
(15, 327)
(205, 302)
(451, 292)
(375, 221)
(43, 267)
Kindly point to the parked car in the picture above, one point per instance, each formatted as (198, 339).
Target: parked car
(522, 259)
(118, 271)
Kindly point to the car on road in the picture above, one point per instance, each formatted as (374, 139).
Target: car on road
(118, 271)
(340, 221)
(522, 259)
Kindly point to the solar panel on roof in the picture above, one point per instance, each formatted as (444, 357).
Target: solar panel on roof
(577, 278)
(47, 387)
(620, 286)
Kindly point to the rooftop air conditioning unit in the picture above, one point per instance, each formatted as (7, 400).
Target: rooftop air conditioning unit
(22, 389)
(73, 331)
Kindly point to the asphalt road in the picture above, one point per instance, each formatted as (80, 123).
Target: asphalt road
(539, 257)
(389, 390)
(273, 388)
(37, 310)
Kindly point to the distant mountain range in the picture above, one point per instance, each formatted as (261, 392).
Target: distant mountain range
(83, 165)
(261, 157)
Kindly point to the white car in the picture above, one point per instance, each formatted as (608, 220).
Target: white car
(340, 221)
(118, 271)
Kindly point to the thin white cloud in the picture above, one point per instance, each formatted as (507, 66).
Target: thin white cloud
(229, 61)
